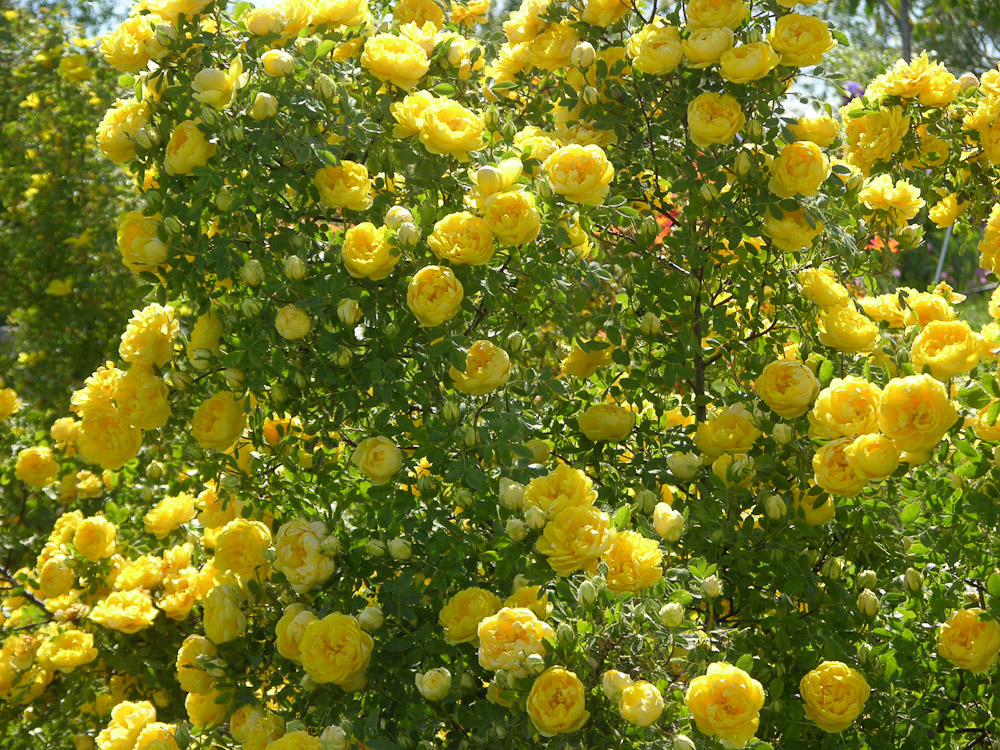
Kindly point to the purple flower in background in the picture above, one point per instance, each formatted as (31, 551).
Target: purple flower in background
(854, 90)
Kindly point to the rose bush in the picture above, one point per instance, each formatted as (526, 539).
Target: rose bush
(493, 389)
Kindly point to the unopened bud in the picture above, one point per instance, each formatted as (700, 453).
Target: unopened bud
(295, 269)
(711, 587)
(224, 199)
(264, 106)
(165, 34)
(375, 548)
(565, 633)
(534, 663)
(408, 234)
(649, 324)
(968, 81)
(235, 377)
(866, 579)
(590, 95)
(330, 545)
(709, 192)
(370, 619)
(516, 529)
(583, 55)
(684, 466)
(534, 517)
(399, 549)
(586, 594)
(672, 614)
(324, 85)
(252, 272)
(782, 434)
(744, 163)
(511, 493)
(396, 216)
(154, 471)
(515, 342)
(683, 742)
(250, 308)
(868, 603)
(833, 568)
(914, 579)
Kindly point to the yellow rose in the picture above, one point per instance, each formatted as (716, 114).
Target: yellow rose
(129, 47)
(94, 538)
(788, 387)
(799, 170)
(845, 408)
(553, 49)
(801, 40)
(434, 295)
(55, 576)
(138, 244)
(144, 572)
(125, 611)
(461, 616)
(10, 404)
(191, 677)
(947, 348)
(128, 719)
(395, 59)
(187, 149)
(575, 538)
(434, 684)
(263, 21)
(726, 703)
(487, 367)
(377, 458)
(603, 13)
(606, 422)
(298, 553)
(815, 515)
(791, 231)
(512, 216)
(582, 364)
(67, 650)
(715, 14)
(834, 472)
(367, 253)
(557, 702)
(418, 11)
(223, 619)
(290, 629)
(106, 439)
(277, 63)
(446, 127)
(116, 132)
(821, 130)
(834, 695)
(946, 211)
(536, 143)
(292, 323)
(899, 202)
(873, 456)
(157, 736)
(345, 185)
(714, 118)
(462, 238)
(205, 709)
(640, 703)
(169, 514)
(981, 425)
(969, 642)
(581, 174)
(656, 48)
(335, 649)
(847, 330)
(241, 548)
(729, 431)
(634, 562)
(563, 487)
(142, 399)
(295, 741)
(36, 466)
(507, 638)
(170, 10)
(149, 337)
(218, 422)
(915, 412)
(705, 47)
(820, 286)
(748, 62)
(409, 113)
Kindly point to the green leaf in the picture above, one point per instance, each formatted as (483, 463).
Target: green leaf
(993, 585)
(911, 513)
